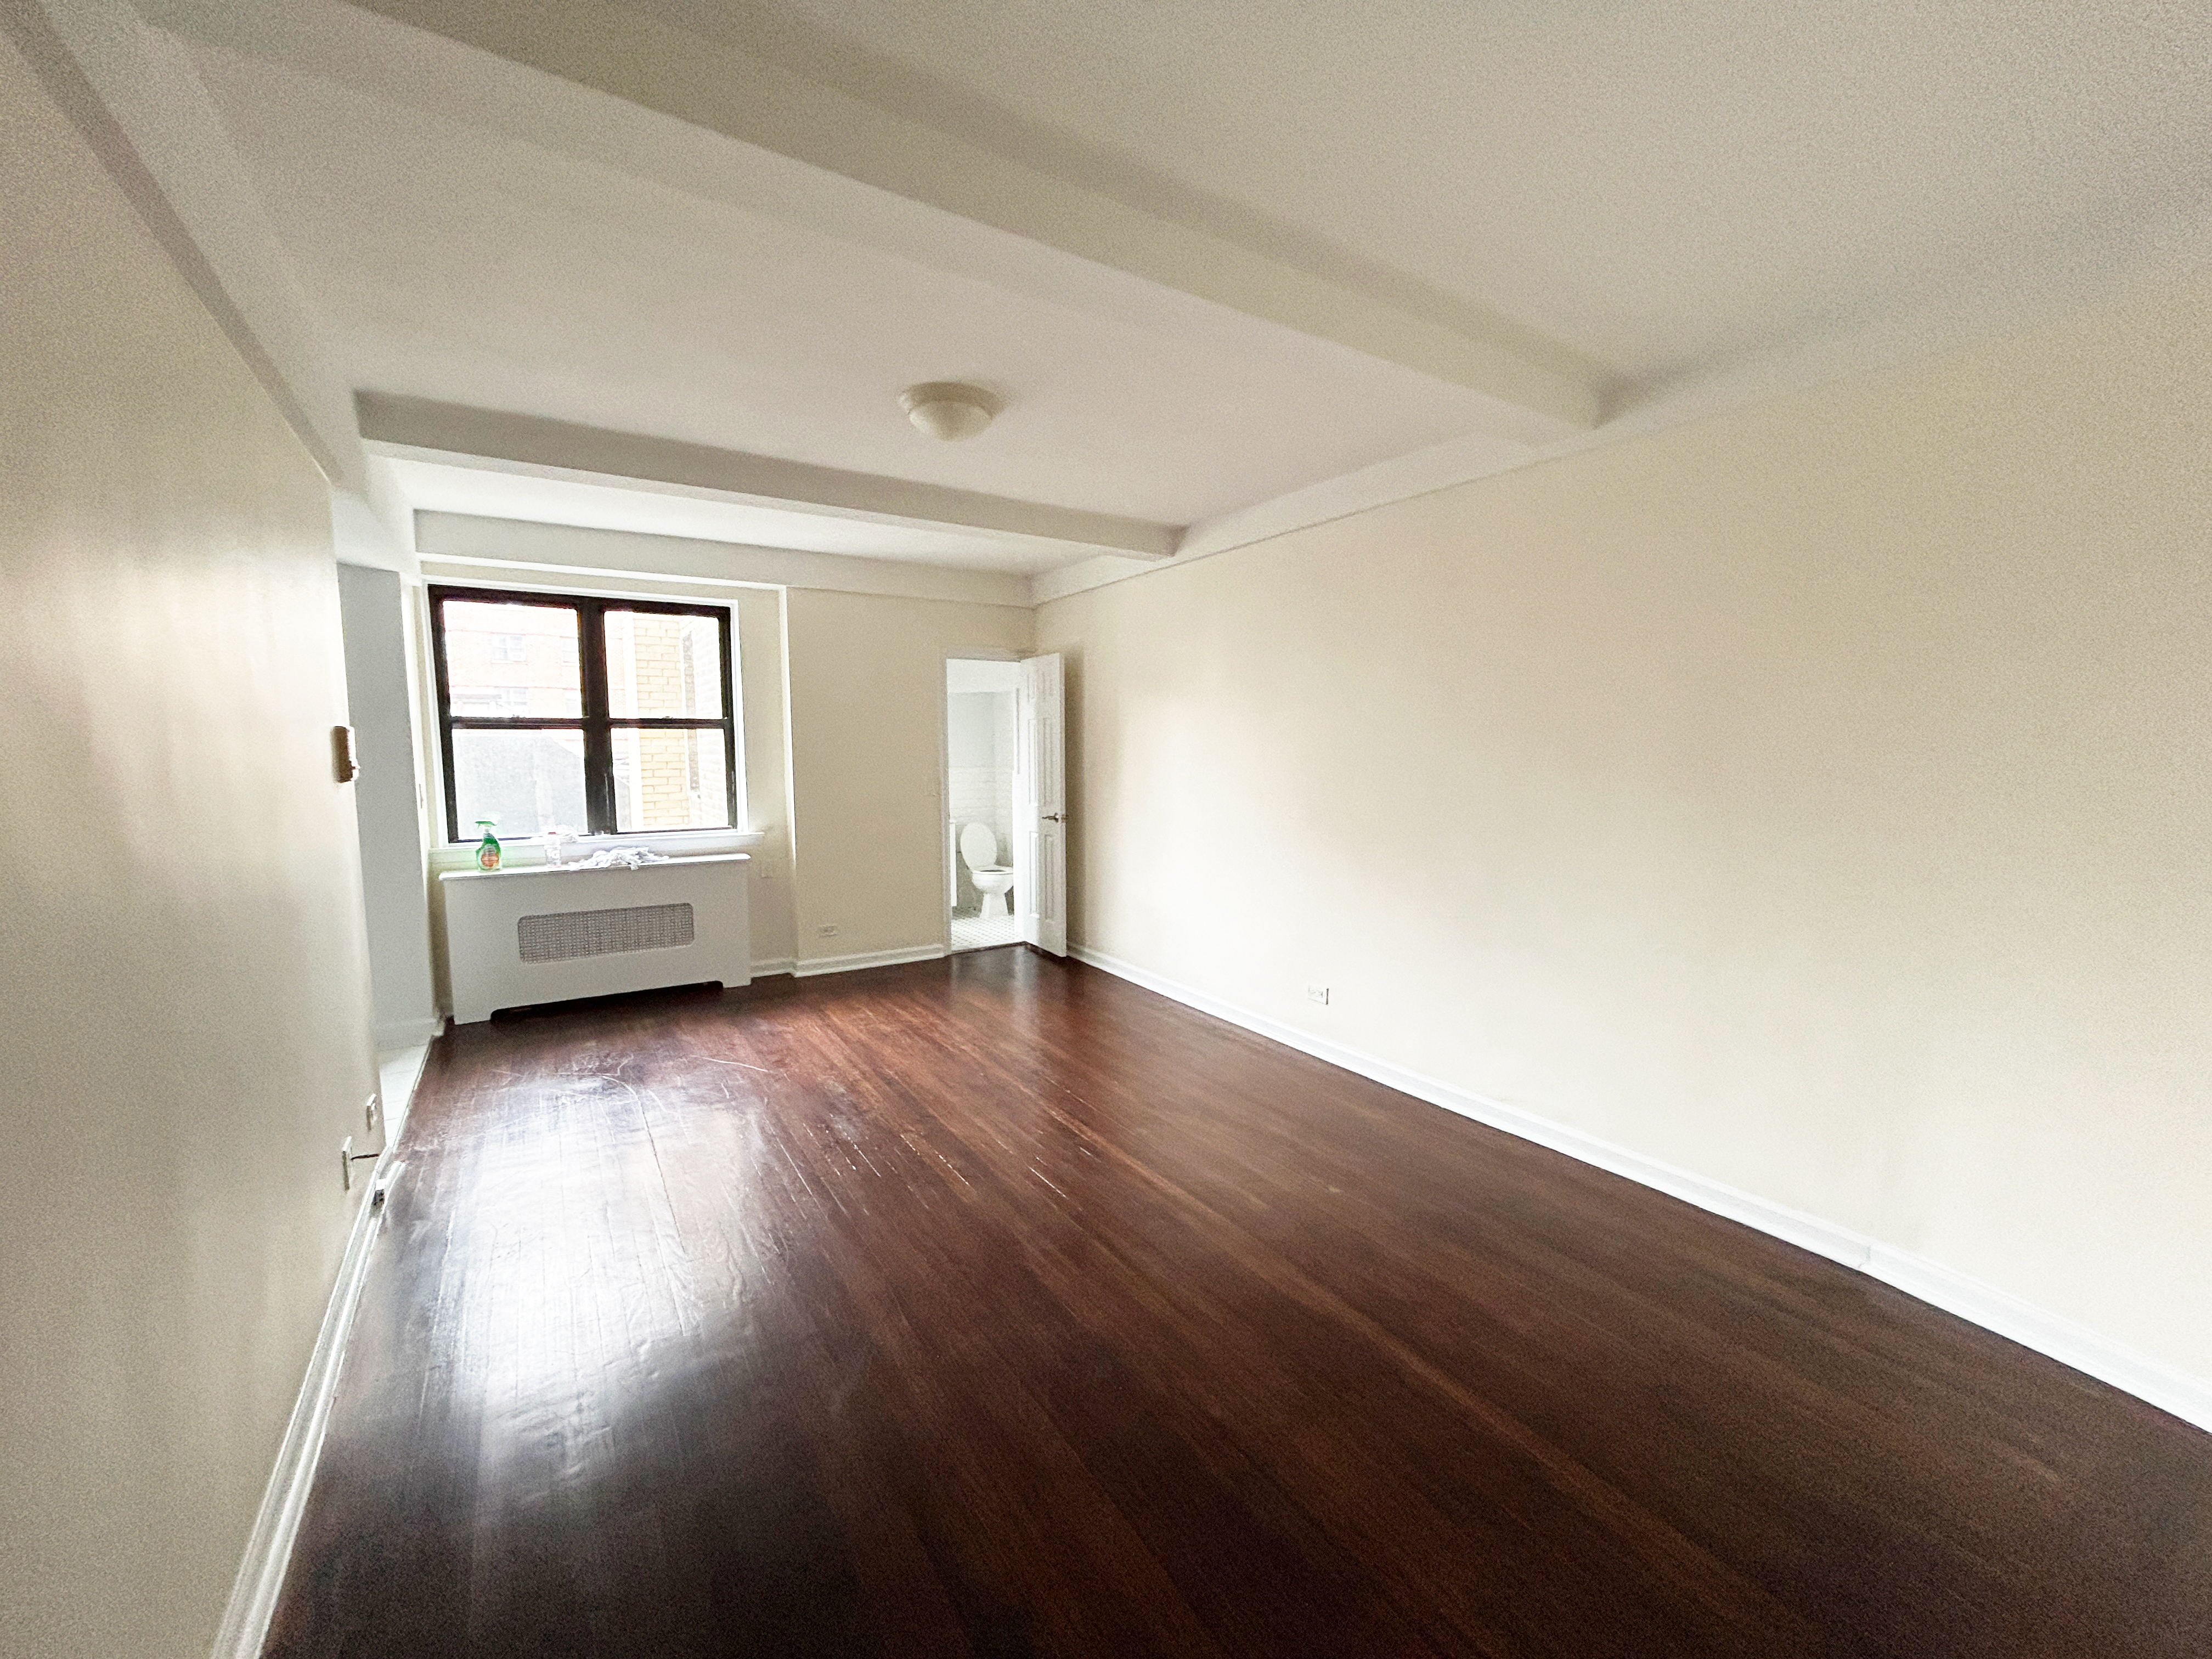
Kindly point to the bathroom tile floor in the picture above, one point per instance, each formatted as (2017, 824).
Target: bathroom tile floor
(980, 933)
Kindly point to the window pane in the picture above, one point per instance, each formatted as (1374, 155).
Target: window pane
(671, 781)
(527, 781)
(662, 667)
(512, 660)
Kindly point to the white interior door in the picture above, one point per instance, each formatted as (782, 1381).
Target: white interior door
(1041, 805)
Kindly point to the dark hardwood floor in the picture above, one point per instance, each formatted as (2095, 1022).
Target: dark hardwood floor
(995, 1307)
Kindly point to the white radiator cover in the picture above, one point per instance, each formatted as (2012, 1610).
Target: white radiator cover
(545, 934)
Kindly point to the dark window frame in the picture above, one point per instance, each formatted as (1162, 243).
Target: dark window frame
(597, 723)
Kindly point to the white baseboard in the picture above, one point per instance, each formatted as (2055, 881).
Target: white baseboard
(253, 1594)
(269, 1548)
(2165, 1386)
(399, 1074)
(772, 966)
(814, 965)
(2169, 1388)
(409, 1033)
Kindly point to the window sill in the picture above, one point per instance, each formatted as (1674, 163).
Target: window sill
(530, 853)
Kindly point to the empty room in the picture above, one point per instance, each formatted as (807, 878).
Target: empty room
(1000, 828)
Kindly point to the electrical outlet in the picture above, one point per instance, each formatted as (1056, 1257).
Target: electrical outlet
(1317, 993)
(828, 930)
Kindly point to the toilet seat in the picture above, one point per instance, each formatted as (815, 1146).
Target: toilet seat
(979, 848)
(979, 851)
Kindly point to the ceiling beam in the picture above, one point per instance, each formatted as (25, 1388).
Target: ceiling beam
(419, 428)
(555, 555)
(1540, 391)
(134, 94)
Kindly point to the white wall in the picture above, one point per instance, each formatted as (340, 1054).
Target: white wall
(979, 772)
(184, 982)
(1814, 798)
(374, 527)
(388, 806)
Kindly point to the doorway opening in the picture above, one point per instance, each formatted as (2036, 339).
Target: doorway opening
(984, 906)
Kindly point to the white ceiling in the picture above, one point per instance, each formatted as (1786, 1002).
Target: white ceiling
(1657, 183)
(458, 263)
(1665, 193)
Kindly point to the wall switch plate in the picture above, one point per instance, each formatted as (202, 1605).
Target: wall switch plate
(345, 1163)
(375, 1109)
(1317, 993)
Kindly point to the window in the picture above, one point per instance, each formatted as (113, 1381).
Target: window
(609, 716)
(492, 700)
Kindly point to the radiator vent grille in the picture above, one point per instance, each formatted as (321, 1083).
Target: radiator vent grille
(602, 932)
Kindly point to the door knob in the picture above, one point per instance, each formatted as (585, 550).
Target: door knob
(1053, 817)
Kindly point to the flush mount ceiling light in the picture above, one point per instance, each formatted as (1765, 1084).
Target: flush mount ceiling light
(947, 408)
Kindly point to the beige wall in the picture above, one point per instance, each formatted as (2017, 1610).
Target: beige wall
(1817, 798)
(387, 802)
(183, 984)
(867, 690)
(844, 782)
(768, 804)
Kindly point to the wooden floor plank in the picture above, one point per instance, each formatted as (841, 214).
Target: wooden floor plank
(993, 1306)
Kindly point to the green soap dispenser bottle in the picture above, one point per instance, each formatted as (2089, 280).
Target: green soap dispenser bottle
(488, 848)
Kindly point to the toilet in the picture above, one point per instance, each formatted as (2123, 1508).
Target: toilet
(979, 851)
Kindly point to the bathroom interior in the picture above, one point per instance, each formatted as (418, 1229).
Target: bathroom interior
(979, 796)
